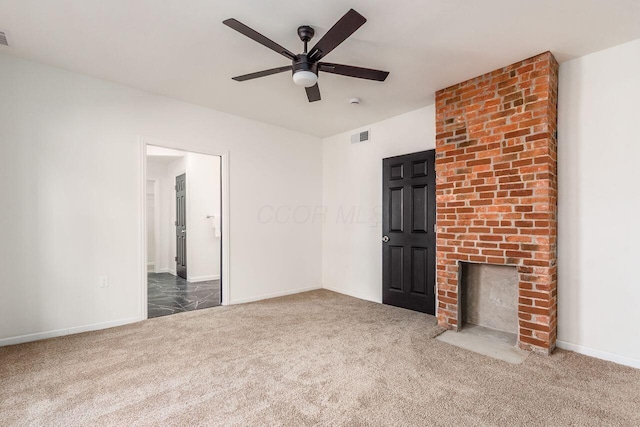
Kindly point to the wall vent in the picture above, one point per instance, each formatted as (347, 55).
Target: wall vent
(363, 136)
(3, 38)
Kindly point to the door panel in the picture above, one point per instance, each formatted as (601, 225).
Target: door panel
(396, 204)
(397, 171)
(409, 218)
(396, 267)
(419, 266)
(181, 226)
(420, 168)
(419, 217)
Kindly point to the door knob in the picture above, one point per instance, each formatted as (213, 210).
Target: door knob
(385, 239)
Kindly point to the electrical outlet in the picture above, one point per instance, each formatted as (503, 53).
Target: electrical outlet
(104, 281)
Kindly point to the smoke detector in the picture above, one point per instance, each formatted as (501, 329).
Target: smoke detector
(354, 101)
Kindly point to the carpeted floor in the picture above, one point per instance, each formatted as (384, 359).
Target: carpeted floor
(317, 358)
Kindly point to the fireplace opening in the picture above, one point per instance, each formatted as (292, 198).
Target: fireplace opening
(490, 298)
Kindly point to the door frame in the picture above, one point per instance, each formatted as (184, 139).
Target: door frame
(225, 276)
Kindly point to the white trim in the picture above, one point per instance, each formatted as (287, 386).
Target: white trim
(66, 331)
(142, 250)
(599, 354)
(157, 221)
(225, 265)
(352, 294)
(196, 279)
(275, 295)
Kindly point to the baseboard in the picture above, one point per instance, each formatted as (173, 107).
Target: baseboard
(274, 295)
(599, 354)
(66, 331)
(197, 279)
(351, 294)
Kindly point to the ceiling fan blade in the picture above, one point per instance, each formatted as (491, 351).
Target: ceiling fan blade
(262, 73)
(351, 71)
(342, 29)
(254, 35)
(313, 93)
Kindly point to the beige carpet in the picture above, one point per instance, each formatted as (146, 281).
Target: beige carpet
(317, 358)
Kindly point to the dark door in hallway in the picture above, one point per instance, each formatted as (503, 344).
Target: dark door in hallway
(409, 217)
(181, 226)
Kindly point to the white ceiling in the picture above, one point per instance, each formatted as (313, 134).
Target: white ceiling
(181, 48)
(163, 156)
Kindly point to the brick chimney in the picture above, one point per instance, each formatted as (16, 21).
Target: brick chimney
(496, 189)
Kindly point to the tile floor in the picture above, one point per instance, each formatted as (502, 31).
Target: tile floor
(169, 294)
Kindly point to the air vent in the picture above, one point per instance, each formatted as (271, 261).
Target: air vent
(363, 136)
(3, 38)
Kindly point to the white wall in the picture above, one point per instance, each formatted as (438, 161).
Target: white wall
(72, 203)
(599, 204)
(203, 199)
(352, 197)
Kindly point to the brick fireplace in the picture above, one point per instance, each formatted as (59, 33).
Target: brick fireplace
(497, 190)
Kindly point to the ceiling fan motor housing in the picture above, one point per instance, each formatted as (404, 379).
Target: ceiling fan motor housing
(302, 63)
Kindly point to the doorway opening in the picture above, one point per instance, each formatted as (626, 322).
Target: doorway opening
(183, 231)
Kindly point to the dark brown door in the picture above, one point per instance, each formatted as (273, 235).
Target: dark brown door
(409, 216)
(181, 225)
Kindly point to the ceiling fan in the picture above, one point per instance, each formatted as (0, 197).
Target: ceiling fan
(306, 66)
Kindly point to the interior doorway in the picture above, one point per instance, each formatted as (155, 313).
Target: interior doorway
(183, 226)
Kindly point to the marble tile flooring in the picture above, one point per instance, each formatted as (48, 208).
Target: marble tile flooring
(169, 294)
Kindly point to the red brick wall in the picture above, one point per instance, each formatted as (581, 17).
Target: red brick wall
(497, 189)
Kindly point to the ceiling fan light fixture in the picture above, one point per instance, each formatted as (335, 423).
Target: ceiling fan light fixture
(305, 78)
